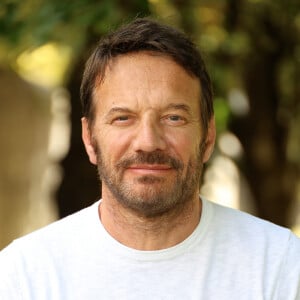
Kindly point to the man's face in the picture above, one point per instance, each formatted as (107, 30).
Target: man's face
(146, 138)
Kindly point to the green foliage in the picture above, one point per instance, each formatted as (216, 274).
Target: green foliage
(31, 23)
(222, 113)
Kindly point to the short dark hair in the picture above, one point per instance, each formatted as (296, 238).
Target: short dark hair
(145, 34)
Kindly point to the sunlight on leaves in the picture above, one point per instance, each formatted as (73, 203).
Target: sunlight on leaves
(45, 65)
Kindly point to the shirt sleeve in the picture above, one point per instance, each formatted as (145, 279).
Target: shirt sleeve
(289, 278)
(9, 279)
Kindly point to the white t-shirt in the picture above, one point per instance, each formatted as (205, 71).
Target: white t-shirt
(230, 255)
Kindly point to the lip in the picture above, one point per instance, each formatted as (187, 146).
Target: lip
(153, 169)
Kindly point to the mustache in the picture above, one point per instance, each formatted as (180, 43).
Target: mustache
(151, 158)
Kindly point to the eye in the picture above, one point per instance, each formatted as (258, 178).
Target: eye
(175, 120)
(122, 120)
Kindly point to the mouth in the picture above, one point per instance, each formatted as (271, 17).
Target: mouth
(149, 169)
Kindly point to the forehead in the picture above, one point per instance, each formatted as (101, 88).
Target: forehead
(145, 78)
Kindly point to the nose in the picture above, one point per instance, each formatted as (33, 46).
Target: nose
(149, 136)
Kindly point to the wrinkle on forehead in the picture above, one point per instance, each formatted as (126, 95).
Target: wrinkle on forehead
(172, 83)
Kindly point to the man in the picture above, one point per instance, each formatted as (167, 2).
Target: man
(148, 125)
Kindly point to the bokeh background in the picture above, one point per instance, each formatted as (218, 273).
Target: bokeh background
(252, 50)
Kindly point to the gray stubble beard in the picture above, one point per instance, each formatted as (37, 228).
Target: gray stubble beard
(153, 201)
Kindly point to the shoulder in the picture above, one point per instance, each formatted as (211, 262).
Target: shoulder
(268, 253)
(67, 231)
(62, 243)
(245, 223)
(250, 233)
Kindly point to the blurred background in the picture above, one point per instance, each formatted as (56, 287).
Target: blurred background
(252, 50)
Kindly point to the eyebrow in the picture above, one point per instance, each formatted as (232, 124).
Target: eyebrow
(176, 106)
(179, 106)
(118, 109)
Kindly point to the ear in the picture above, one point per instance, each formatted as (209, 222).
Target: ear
(87, 141)
(210, 140)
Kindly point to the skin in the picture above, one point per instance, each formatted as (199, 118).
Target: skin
(147, 106)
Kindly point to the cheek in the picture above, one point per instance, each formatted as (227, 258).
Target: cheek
(113, 145)
(185, 143)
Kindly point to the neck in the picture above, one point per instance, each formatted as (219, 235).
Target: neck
(144, 233)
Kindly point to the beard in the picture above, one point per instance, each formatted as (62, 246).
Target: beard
(155, 195)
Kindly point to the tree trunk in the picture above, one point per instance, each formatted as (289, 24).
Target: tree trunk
(265, 140)
(264, 133)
